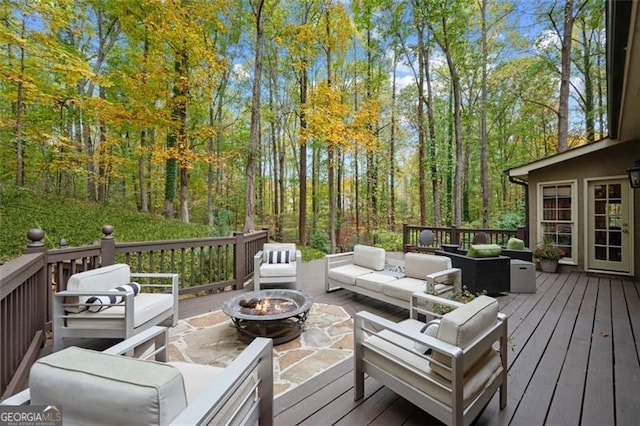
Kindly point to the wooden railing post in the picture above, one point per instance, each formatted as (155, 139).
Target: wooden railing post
(454, 235)
(107, 246)
(43, 293)
(239, 259)
(405, 235)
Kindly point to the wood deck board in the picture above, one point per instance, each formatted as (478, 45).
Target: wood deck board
(536, 398)
(567, 402)
(626, 366)
(599, 385)
(562, 369)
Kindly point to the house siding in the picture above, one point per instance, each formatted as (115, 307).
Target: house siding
(606, 163)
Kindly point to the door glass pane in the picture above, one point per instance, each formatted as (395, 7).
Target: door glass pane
(615, 238)
(599, 191)
(601, 253)
(600, 207)
(615, 254)
(601, 237)
(601, 222)
(615, 190)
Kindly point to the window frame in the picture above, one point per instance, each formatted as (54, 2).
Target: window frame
(574, 222)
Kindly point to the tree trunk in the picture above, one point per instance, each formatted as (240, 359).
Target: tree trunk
(18, 112)
(484, 143)
(254, 135)
(302, 174)
(421, 137)
(565, 76)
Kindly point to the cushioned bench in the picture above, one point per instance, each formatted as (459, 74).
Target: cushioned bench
(367, 271)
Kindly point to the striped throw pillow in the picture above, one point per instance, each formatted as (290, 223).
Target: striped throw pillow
(283, 256)
(98, 303)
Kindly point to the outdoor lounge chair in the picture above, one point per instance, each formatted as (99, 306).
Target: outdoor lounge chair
(107, 303)
(106, 388)
(277, 264)
(449, 368)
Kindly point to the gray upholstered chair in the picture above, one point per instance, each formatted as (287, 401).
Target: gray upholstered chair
(449, 366)
(107, 303)
(277, 264)
(107, 388)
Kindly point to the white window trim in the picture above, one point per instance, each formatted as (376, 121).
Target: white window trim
(573, 260)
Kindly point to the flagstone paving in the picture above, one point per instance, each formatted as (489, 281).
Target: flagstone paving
(212, 339)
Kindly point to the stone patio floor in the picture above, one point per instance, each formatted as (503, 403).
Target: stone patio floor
(212, 339)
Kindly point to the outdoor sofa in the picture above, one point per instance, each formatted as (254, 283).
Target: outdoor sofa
(366, 270)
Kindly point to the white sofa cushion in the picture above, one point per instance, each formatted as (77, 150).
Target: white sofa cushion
(347, 274)
(418, 265)
(369, 257)
(404, 362)
(373, 281)
(101, 279)
(146, 306)
(404, 287)
(278, 270)
(463, 326)
(93, 387)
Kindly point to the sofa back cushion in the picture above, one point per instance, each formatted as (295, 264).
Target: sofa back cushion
(369, 257)
(419, 265)
(99, 279)
(93, 387)
(463, 326)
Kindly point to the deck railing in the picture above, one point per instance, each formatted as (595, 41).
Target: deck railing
(27, 283)
(462, 237)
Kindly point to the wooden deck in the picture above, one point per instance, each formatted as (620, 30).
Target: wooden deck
(573, 358)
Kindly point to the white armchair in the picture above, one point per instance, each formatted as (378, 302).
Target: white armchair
(107, 388)
(276, 264)
(449, 368)
(106, 303)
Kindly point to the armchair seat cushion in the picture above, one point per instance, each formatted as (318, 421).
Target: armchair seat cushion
(107, 389)
(278, 269)
(146, 307)
(397, 356)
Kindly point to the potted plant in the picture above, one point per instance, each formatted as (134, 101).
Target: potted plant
(548, 254)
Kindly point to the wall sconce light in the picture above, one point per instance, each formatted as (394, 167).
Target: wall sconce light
(634, 174)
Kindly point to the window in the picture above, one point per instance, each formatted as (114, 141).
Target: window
(558, 213)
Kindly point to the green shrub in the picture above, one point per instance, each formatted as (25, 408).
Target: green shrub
(388, 240)
(319, 240)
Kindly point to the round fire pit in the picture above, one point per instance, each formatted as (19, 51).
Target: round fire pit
(276, 314)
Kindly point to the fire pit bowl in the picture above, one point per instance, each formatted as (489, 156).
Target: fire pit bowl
(276, 314)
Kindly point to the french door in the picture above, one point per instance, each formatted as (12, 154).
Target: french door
(609, 225)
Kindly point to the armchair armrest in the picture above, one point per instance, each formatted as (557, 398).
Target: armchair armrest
(452, 277)
(424, 303)
(258, 357)
(175, 287)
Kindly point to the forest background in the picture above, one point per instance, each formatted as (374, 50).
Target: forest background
(327, 121)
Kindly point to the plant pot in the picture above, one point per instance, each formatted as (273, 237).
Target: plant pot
(548, 265)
